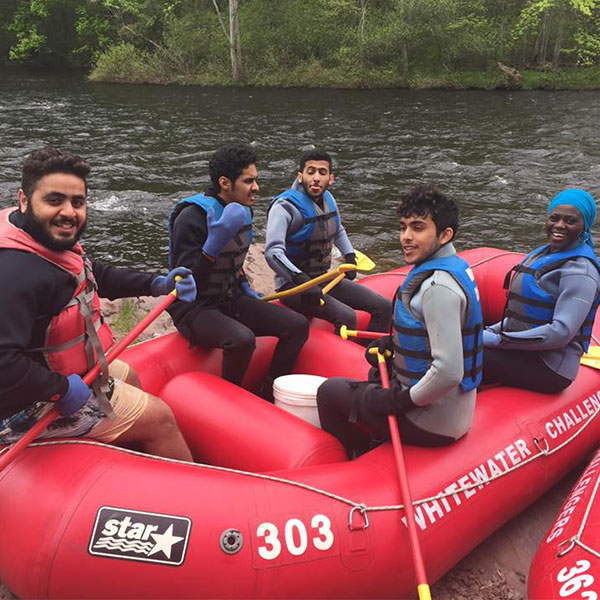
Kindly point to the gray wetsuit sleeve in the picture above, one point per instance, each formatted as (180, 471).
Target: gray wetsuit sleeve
(443, 306)
(577, 285)
(341, 240)
(283, 217)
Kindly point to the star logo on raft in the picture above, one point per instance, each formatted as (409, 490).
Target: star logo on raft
(140, 536)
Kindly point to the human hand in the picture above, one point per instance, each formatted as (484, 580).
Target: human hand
(78, 393)
(350, 259)
(185, 287)
(222, 230)
(312, 296)
(383, 344)
(248, 291)
(382, 401)
(491, 339)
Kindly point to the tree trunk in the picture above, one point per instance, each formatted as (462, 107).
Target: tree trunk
(559, 37)
(404, 57)
(404, 42)
(235, 45)
(543, 47)
(361, 22)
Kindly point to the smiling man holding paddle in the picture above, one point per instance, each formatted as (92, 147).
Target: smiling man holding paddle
(436, 346)
(51, 329)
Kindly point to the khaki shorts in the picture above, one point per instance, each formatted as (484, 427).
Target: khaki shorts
(127, 401)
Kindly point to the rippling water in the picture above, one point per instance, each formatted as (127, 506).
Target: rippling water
(501, 155)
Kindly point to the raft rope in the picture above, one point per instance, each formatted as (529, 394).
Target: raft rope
(544, 450)
(575, 540)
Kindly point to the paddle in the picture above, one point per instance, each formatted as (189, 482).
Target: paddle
(592, 357)
(422, 585)
(10, 454)
(363, 263)
(345, 333)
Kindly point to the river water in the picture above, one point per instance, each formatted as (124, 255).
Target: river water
(500, 155)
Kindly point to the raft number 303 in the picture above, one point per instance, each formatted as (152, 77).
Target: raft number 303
(295, 537)
(574, 579)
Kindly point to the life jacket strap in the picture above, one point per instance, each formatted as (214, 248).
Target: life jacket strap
(531, 302)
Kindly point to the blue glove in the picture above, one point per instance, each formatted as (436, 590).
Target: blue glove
(186, 287)
(248, 291)
(491, 339)
(78, 393)
(221, 231)
(350, 259)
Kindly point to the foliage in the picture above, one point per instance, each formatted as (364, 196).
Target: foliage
(300, 42)
(126, 318)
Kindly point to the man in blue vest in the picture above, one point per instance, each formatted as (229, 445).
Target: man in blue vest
(436, 344)
(210, 233)
(302, 227)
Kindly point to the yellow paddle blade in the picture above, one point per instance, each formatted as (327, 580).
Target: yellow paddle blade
(590, 362)
(592, 352)
(363, 262)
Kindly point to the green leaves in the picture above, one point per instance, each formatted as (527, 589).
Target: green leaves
(282, 39)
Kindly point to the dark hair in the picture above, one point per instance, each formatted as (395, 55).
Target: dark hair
(315, 155)
(229, 161)
(49, 160)
(424, 200)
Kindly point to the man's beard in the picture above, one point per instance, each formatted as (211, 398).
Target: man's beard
(38, 230)
(310, 195)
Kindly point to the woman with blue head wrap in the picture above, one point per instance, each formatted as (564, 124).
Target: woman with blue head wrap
(575, 201)
(551, 303)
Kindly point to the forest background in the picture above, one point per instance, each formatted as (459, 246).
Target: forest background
(347, 43)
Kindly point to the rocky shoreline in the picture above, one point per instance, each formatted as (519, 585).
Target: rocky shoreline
(497, 569)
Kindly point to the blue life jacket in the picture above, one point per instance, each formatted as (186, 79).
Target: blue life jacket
(310, 247)
(528, 305)
(223, 279)
(412, 351)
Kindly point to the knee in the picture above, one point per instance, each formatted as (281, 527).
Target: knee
(297, 327)
(347, 317)
(329, 390)
(243, 340)
(382, 305)
(161, 416)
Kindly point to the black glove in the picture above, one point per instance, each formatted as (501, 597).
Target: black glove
(383, 402)
(382, 344)
(350, 259)
(310, 297)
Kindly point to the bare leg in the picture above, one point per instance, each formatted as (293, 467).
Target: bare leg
(157, 432)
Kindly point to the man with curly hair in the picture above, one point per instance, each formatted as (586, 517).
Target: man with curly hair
(435, 352)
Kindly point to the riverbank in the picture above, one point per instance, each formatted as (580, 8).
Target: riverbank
(127, 64)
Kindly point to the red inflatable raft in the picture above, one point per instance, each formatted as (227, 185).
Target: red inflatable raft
(567, 563)
(276, 510)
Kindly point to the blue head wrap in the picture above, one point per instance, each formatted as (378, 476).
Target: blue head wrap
(584, 203)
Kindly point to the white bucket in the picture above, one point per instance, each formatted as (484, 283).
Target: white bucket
(298, 395)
